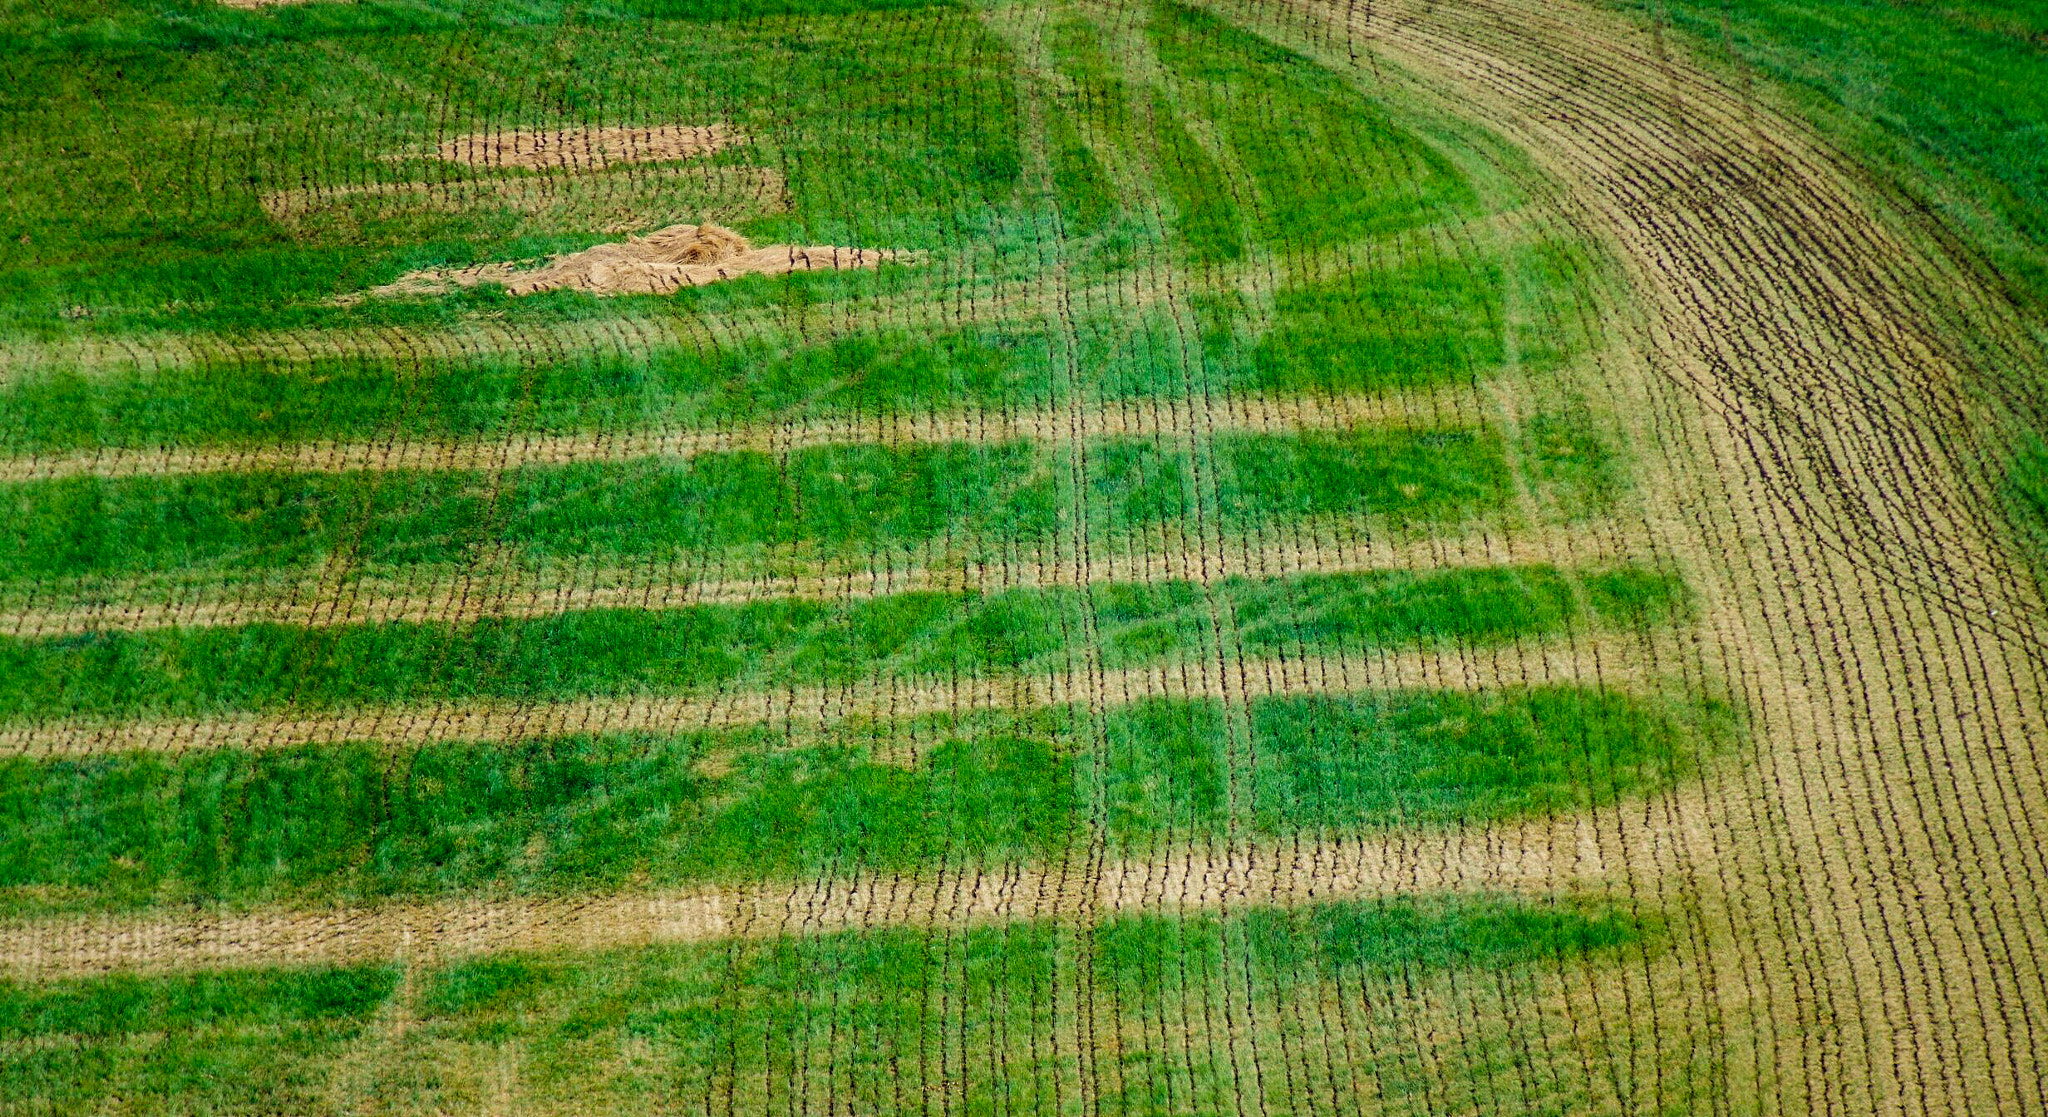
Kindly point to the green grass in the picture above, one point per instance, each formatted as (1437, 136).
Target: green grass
(767, 379)
(839, 503)
(1402, 479)
(1439, 323)
(201, 24)
(186, 140)
(613, 811)
(1150, 956)
(1317, 163)
(1225, 218)
(1206, 217)
(857, 1018)
(256, 1042)
(125, 1004)
(1569, 465)
(177, 672)
(1402, 326)
(1947, 99)
(850, 500)
(1298, 161)
(1346, 762)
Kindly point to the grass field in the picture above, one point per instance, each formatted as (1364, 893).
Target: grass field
(1225, 557)
(1948, 104)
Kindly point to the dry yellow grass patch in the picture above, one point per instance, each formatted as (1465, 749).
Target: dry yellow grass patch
(579, 149)
(611, 203)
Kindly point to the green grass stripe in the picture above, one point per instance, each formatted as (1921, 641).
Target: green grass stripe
(126, 28)
(175, 673)
(1174, 418)
(1409, 326)
(74, 607)
(122, 1005)
(359, 823)
(881, 1020)
(226, 1042)
(825, 503)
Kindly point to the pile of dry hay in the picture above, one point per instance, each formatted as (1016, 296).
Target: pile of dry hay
(660, 263)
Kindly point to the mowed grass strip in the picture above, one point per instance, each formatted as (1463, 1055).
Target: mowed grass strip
(780, 1017)
(175, 673)
(1147, 418)
(359, 823)
(1410, 326)
(826, 503)
(260, 1041)
(83, 606)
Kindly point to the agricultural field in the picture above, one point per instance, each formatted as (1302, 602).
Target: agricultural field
(974, 557)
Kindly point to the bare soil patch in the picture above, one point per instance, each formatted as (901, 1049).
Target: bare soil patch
(660, 263)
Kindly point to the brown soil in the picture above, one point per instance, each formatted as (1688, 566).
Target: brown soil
(579, 149)
(660, 263)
